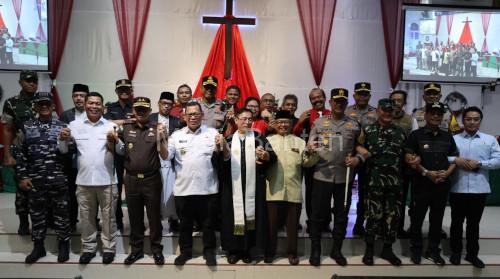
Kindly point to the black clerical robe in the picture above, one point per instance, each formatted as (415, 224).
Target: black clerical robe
(252, 237)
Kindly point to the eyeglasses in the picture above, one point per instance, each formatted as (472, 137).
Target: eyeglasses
(194, 114)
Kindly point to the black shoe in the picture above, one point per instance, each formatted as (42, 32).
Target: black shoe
(475, 261)
(336, 253)
(435, 257)
(182, 259)
(86, 257)
(232, 258)
(455, 258)
(293, 259)
(246, 258)
(315, 258)
(368, 256)
(388, 255)
(108, 257)
(402, 234)
(358, 230)
(416, 257)
(133, 257)
(63, 251)
(443, 235)
(24, 225)
(210, 259)
(159, 258)
(37, 253)
(268, 259)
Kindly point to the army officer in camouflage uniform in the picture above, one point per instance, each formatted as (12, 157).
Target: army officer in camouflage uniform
(40, 173)
(382, 144)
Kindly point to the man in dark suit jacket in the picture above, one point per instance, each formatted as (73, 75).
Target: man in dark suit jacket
(78, 96)
(165, 105)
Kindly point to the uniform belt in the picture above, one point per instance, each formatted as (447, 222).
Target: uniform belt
(142, 175)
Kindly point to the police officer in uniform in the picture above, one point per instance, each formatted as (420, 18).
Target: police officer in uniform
(382, 144)
(16, 111)
(143, 143)
(40, 173)
(366, 115)
(120, 112)
(334, 139)
(432, 93)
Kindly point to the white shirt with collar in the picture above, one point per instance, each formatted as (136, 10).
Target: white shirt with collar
(192, 153)
(95, 163)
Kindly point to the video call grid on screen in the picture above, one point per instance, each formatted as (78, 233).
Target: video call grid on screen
(451, 44)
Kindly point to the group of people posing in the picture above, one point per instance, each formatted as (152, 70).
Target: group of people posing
(207, 163)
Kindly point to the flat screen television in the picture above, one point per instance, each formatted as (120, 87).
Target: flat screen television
(451, 44)
(24, 35)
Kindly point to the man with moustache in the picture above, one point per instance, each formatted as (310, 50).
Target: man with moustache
(302, 129)
(427, 151)
(70, 169)
(16, 111)
(290, 102)
(267, 106)
(229, 106)
(144, 142)
(171, 123)
(120, 112)
(184, 95)
(366, 115)
(382, 144)
(479, 152)
(196, 150)
(91, 138)
(40, 171)
(212, 116)
(407, 123)
(432, 94)
(334, 138)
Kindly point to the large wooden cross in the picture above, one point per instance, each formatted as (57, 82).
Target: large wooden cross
(228, 20)
(466, 20)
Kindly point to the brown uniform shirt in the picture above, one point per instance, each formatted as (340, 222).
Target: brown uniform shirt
(141, 148)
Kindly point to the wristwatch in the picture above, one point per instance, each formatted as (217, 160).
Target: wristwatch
(424, 172)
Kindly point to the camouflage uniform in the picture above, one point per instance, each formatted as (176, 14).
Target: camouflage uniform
(39, 160)
(16, 111)
(364, 117)
(384, 171)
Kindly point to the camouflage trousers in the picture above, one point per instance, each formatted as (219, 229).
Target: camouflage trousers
(22, 202)
(383, 211)
(53, 194)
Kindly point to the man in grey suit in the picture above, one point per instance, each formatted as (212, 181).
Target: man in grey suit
(78, 95)
(165, 105)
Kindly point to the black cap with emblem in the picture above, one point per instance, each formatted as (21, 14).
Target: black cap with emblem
(339, 93)
(363, 88)
(436, 106)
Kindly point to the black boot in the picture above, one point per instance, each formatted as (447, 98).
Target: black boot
(63, 253)
(388, 254)
(336, 252)
(24, 225)
(37, 253)
(368, 257)
(315, 258)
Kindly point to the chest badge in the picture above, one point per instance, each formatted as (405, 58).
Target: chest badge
(130, 145)
(183, 151)
(426, 146)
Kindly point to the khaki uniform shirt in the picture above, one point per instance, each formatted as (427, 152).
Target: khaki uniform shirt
(419, 114)
(336, 139)
(365, 117)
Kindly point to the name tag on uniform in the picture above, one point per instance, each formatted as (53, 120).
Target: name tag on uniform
(183, 141)
(32, 133)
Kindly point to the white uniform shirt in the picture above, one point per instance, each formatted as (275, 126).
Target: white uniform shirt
(94, 161)
(192, 153)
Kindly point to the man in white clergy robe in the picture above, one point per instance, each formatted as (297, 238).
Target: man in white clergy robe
(172, 123)
(243, 192)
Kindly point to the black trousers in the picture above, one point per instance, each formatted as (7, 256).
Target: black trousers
(407, 178)
(201, 208)
(360, 206)
(120, 170)
(308, 181)
(470, 207)
(322, 194)
(432, 197)
(280, 212)
(73, 203)
(144, 192)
